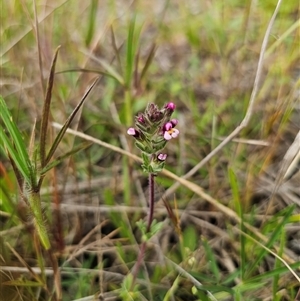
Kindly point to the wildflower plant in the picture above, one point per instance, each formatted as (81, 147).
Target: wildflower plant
(153, 129)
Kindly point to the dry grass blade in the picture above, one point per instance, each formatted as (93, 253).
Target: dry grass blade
(288, 166)
(46, 110)
(292, 159)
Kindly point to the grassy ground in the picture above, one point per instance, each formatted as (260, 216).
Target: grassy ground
(69, 221)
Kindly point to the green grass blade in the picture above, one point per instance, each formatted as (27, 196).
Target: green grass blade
(16, 149)
(92, 21)
(276, 285)
(22, 282)
(46, 110)
(238, 208)
(12, 153)
(212, 260)
(13, 131)
(130, 53)
(111, 72)
(276, 233)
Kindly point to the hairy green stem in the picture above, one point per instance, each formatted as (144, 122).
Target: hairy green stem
(39, 222)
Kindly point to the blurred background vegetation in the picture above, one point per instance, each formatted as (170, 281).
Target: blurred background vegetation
(201, 55)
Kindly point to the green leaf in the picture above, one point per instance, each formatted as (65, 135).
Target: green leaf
(190, 238)
(16, 149)
(91, 22)
(238, 208)
(22, 282)
(130, 53)
(140, 146)
(212, 260)
(8, 149)
(155, 227)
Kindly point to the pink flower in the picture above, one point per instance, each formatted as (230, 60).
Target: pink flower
(162, 157)
(133, 132)
(173, 133)
(170, 132)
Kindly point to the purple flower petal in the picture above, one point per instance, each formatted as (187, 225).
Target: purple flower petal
(168, 126)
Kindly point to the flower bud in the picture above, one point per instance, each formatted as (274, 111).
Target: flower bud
(170, 106)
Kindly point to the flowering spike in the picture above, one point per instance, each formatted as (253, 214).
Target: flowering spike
(153, 128)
